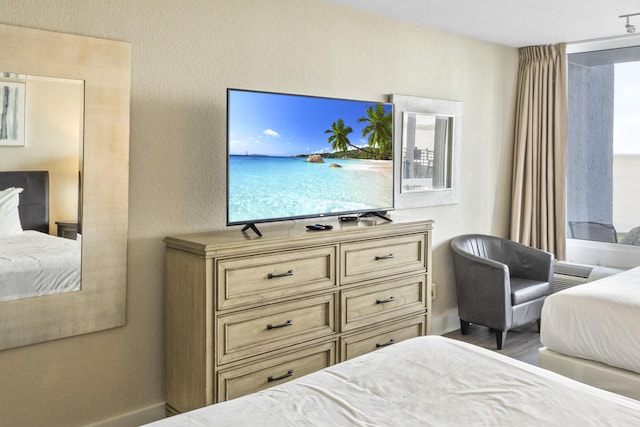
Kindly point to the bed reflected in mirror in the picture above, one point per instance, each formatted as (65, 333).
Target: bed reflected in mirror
(40, 247)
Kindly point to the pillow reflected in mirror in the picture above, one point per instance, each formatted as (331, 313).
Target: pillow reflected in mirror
(9, 216)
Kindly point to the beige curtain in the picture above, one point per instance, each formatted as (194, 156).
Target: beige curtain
(538, 192)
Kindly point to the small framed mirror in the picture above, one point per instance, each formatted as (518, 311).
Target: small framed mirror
(426, 151)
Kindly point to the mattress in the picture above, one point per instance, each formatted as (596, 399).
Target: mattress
(34, 263)
(424, 381)
(596, 321)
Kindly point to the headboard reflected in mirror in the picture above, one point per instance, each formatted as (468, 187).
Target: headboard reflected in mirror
(105, 68)
(34, 197)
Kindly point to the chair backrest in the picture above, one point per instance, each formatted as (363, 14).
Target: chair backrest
(480, 245)
(588, 230)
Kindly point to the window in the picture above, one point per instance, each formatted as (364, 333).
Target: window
(603, 152)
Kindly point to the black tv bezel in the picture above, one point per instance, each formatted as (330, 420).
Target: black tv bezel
(379, 212)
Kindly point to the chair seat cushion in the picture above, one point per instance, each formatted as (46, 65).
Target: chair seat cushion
(524, 290)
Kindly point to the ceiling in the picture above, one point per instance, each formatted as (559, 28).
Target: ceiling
(514, 23)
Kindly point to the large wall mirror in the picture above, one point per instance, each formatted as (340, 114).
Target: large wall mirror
(426, 151)
(66, 102)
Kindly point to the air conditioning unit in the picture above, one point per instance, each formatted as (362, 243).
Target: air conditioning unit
(568, 274)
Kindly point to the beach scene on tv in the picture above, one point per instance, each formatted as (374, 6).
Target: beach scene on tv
(301, 156)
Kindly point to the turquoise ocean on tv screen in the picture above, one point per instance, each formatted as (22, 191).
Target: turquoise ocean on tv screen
(263, 187)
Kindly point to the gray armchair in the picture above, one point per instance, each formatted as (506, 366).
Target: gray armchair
(499, 283)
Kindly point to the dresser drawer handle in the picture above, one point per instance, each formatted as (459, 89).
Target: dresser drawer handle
(281, 377)
(274, 276)
(391, 341)
(282, 325)
(378, 258)
(384, 301)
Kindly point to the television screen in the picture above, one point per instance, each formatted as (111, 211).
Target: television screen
(294, 156)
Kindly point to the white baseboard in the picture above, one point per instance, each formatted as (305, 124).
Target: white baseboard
(134, 418)
(445, 323)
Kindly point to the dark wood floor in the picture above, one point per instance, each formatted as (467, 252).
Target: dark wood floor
(521, 343)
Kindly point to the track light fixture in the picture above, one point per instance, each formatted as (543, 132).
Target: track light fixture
(629, 27)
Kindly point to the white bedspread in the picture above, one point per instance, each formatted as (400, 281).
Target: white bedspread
(425, 381)
(34, 263)
(596, 321)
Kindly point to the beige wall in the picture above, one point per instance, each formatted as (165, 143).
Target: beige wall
(626, 206)
(185, 55)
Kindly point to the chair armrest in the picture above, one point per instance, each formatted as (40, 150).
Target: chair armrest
(482, 285)
(484, 275)
(471, 260)
(528, 262)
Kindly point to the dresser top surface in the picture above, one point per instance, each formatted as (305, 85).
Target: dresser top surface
(294, 233)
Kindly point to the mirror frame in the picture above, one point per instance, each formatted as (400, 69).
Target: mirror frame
(437, 107)
(105, 67)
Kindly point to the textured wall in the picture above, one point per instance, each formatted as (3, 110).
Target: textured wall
(590, 148)
(185, 55)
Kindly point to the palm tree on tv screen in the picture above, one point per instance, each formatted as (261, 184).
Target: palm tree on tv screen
(339, 138)
(379, 130)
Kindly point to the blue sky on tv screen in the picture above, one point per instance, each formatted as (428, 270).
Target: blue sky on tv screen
(271, 124)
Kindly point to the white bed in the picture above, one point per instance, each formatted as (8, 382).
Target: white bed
(590, 333)
(34, 263)
(424, 381)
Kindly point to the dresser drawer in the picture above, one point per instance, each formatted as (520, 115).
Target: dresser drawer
(251, 332)
(257, 279)
(360, 343)
(382, 257)
(382, 302)
(253, 377)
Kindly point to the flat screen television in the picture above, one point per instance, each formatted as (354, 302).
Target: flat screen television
(296, 156)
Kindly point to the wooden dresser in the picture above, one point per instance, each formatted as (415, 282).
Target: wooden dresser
(244, 313)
